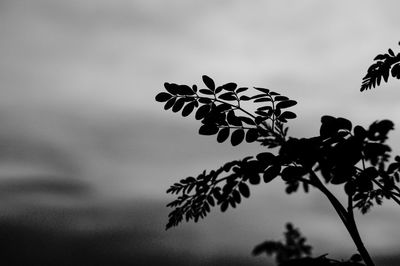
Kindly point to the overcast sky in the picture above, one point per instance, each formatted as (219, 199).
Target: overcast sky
(78, 80)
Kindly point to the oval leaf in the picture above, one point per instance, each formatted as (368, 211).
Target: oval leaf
(260, 100)
(178, 105)
(208, 130)
(202, 112)
(163, 97)
(171, 88)
(188, 109)
(224, 206)
(287, 115)
(244, 190)
(271, 172)
(185, 90)
(170, 103)
(281, 98)
(233, 119)
(209, 82)
(227, 96)
(266, 157)
(241, 89)
(262, 89)
(223, 134)
(206, 92)
(286, 104)
(237, 137)
(254, 179)
(229, 86)
(251, 135)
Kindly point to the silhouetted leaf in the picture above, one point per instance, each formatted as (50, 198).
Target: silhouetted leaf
(223, 134)
(328, 126)
(205, 100)
(271, 172)
(224, 206)
(208, 130)
(287, 115)
(178, 105)
(262, 113)
(262, 90)
(237, 137)
(229, 86)
(356, 258)
(244, 190)
(266, 157)
(360, 132)
(247, 120)
(259, 119)
(223, 107)
(163, 97)
(210, 200)
(233, 119)
(228, 96)
(254, 179)
(260, 100)
(185, 90)
(292, 173)
(343, 123)
(236, 196)
(241, 89)
(244, 98)
(206, 92)
(209, 82)
(396, 71)
(380, 69)
(380, 57)
(281, 98)
(262, 95)
(171, 88)
(379, 130)
(170, 103)
(202, 111)
(285, 104)
(350, 188)
(251, 135)
(188, 109)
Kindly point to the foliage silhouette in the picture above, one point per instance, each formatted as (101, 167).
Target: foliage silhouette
(294, 246)
(354, 157)
(295, 252)
(385, 64)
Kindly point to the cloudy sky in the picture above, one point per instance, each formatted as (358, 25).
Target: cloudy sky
(80, 127)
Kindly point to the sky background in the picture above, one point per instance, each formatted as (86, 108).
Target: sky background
(87, 152)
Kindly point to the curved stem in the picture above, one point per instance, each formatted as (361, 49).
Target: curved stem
(347, 218)
(356, 235)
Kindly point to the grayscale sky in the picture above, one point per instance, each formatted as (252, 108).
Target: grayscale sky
(80, 127)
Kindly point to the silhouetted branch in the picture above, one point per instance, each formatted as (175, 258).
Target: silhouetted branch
(385, 65)
(334, 154)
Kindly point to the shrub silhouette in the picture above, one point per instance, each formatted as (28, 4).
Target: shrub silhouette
(353, 157)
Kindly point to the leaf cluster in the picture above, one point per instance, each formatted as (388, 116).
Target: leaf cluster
(293, 247)
(294, 251)
(356, 158)
(219, 108)
(224, 187)
(384, 65)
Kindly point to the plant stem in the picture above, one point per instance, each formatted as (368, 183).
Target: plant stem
(347, 218)
(356, 235)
